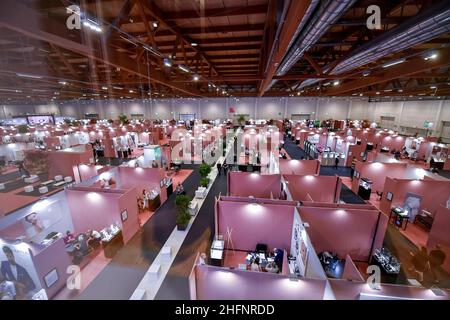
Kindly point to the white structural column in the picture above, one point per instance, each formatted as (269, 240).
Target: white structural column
(317, 110)
(286, 108)
(438, 120)
(349, 109)
(399, 118)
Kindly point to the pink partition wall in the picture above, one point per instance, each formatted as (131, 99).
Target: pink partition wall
(343, 231)
(213, 283)
(244, 184)
(351, 272)
(300, 167)
(377, 173)
(256, 223)
(53, 257)
(97, 209)
(141, 178)
(62, 162)
(317, 188)
(434, 193)
(439, 234)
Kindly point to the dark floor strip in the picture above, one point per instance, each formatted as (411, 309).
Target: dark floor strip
(119, 279)
(176, 285)
(294, 151)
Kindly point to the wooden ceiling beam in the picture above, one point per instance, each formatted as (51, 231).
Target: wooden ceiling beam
(28, 22)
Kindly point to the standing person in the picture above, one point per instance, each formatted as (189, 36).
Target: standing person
(336, 162)
(420, 262)
(437, 258)
(352, 169)
(145, 199)
(219, 168)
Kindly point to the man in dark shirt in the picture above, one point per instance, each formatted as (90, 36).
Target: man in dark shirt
(15, 273)
(436, 258)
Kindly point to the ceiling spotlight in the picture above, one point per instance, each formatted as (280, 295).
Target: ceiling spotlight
(318, 88)
(378, 92)
(167, 62)
(62, 82)
(366, 73)
(360, 94)
(195, 77)
(431, 56)
(155, 24)
(433, 87)
(105, 88)
(194, 44)
(131, 91)
(400, 90)
(336, 82)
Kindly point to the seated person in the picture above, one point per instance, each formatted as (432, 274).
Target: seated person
(82, 248)
(272, 267)
(70, 237)
(94, 238)
(255, 265)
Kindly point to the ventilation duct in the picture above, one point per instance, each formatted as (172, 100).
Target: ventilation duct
(422, 28)
(324, 17)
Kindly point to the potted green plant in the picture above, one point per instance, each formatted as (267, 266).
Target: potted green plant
(241, 120)
(182, 207)
(23, 128)
(204, 170)
(123, 119)
(204, 182)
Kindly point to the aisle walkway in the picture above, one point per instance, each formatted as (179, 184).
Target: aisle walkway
(294, 151)
(120, 278)
(199, 239)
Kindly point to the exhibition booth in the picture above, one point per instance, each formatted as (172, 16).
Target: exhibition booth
(314, 188)
(246, 184)
(299, 167)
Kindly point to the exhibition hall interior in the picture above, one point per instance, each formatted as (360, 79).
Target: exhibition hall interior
(224, 150)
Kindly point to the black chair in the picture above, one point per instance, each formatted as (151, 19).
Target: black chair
(261, 247)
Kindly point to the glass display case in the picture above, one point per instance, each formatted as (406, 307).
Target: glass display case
(387, 261)
(216, 253)
(365, 188)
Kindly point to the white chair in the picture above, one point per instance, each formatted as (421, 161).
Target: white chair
(200, 193)
(31, 179)
(68, 179)
(58, 178)
(28, 188)
(2, 186)
(43, 189)
(166, 253)
(154, 271)
(193, 208)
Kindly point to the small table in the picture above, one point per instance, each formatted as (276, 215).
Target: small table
(399, 215)
(47, 182)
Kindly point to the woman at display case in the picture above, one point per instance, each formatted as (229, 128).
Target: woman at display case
(255, 265)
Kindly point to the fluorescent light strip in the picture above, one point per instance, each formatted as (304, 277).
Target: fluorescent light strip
(28, 76)
(11, 90)
(393, 63)
(184, 68)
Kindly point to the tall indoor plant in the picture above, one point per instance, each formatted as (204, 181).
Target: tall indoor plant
(182, 206)
(204, 170)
